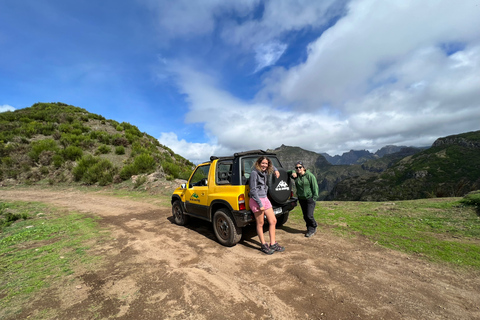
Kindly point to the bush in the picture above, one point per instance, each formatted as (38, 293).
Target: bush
(43, 145)
(127, 171)
(58, 161)
(120, 141)
(101, 172)
(120, 150)
(83, 165)
(472, 199)
(72, 153)
(144, 163)
(103, 149)
(92, 170)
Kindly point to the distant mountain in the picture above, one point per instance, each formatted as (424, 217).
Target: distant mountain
(289, 156)
(451, 167)
(329, 175)
(60, 143)
(351, 157)
(361, 156)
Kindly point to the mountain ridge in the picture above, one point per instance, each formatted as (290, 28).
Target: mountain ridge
(410, 173)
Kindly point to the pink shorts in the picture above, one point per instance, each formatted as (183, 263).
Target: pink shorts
(254, 205)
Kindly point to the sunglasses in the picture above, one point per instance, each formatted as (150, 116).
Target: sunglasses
(298, 168)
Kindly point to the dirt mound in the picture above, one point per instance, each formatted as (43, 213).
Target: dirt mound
(155, 269)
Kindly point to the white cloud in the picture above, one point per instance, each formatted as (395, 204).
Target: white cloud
(195, 152)
(372, 35)
(6, 108)
(267, 54)
(379, 76)
(280, 17)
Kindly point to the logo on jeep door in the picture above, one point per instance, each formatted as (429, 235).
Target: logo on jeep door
(282, 185)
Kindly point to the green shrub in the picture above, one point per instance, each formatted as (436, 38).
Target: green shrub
(42, 145)
(103, 149)
(120, 150)
(101, 172)
(64, 127)
(7, 161)
(119, 128)
(92, 170)
(83, 165)
(120, 141)
(472, 199)
(144, 163)
(7, 218)
(127, 171)
(58, 161)
(72, 153)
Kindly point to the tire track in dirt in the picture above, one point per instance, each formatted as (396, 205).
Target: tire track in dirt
(155, 269)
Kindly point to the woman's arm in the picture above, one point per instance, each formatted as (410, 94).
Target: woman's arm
(253, 182)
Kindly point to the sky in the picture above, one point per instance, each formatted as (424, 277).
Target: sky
(214, 77)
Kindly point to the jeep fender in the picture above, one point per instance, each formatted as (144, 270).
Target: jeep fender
(240, 218)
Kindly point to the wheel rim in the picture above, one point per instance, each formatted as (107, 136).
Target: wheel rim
(177, 213)
(222, 228)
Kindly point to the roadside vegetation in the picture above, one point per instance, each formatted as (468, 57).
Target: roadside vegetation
(443, 230)
(39, 247)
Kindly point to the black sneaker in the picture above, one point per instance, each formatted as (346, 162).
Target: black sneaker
(277, 247)
(310, 233)
(266, 249)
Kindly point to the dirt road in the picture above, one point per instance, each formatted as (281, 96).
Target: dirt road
(155, 269)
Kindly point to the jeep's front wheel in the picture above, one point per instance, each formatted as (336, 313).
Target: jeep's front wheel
(225, 229)
(177, 210)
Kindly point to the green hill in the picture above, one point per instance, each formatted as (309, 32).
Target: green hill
(60, 143)
(450, 168)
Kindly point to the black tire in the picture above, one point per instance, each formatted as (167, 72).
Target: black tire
(279, 189)
(282, 219)
(227, 233)
(178, 215)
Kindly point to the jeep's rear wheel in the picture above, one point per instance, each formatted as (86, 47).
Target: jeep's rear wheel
(177, 210)
(227, 233)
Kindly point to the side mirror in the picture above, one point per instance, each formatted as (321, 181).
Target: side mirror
(183, 186)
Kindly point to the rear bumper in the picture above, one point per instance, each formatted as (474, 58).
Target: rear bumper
(245, 217)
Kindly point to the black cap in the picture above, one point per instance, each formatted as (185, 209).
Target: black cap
(300, 163)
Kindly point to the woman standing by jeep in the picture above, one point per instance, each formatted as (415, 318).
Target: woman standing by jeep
(260, 205)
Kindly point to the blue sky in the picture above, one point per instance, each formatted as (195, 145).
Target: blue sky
(217, 77)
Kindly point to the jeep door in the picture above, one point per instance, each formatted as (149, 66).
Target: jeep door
(196, 195)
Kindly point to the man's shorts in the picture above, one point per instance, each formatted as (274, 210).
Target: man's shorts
(254, 205)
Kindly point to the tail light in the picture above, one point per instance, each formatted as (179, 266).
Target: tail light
(241, 202)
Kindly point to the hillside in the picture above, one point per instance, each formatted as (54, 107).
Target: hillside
(60, 143)
(328, 175)
(451, 167)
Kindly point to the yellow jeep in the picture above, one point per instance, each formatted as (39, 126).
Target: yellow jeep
(217, 191)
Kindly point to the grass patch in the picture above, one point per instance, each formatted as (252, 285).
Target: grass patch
(442, 230)
(40, 250)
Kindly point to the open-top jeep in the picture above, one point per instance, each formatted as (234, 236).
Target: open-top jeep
(217, 191)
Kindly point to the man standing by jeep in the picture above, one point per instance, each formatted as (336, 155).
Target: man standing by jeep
(307, 193)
